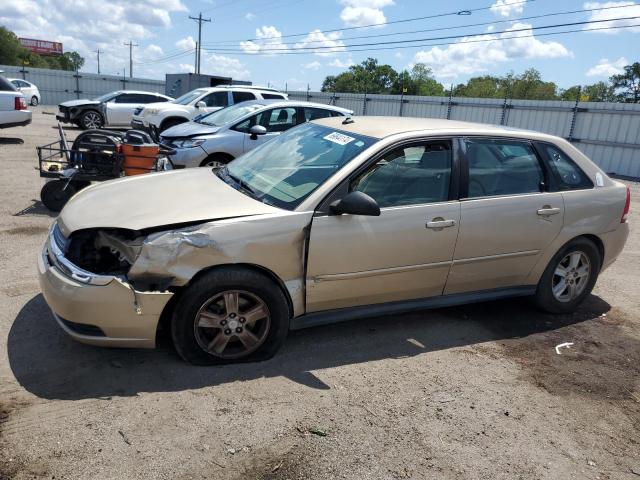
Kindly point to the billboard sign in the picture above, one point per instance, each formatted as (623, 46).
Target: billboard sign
(41, 47)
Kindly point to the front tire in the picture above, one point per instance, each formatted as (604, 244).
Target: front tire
(569, 277)
(230, 315)
(34, 101)
(216, 161)
(54, 195)
(91, 120)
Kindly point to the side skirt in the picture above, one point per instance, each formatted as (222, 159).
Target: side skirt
(368, 311)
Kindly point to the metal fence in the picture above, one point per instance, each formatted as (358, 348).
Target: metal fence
(58, 86)
(608, 133)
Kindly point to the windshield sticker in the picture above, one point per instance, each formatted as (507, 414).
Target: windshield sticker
(339, 138)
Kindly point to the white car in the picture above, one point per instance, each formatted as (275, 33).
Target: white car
(30, 91)
(13, 106)
(219, 137)
(198, 102)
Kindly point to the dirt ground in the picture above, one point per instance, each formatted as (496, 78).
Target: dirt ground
(474, 392)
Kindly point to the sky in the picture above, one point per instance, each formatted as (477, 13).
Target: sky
(297, 43)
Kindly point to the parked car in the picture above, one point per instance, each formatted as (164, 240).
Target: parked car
(13, 106)
(30, 91)
(114, 109)
(198, 102)
(335, 219)
(219, 137)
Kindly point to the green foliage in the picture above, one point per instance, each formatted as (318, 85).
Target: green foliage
(599, 92)
(627, 84)
(12, 53)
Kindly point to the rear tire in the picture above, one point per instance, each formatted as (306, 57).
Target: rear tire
(54, 196)
(230, 315)
(34, 101)
(216, 161)
(569, 277)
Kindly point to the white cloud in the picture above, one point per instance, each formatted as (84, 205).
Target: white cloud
(153, 51)
(330, 43)
(186, 43)
(605, 68)
(340, 63)
(213, 64)
(250, 16)
(506, 8)
(627, 9)
(315, 65)
(469, 58)
(87, 25)
(358, 13)
(268, 38)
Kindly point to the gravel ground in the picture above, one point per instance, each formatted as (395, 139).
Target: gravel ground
(469, 392)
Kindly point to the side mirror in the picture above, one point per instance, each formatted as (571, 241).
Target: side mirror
(257, 130)
(356, 203)
(201, 104)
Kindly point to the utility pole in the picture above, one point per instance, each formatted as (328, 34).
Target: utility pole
(195, 68)
(199, 19)
(131, 45)
(98, 52)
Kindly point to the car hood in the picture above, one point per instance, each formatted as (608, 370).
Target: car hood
(77, 103)
(156, 200)
(189, 129)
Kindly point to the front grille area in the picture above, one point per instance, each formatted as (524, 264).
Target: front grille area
(59, 238)
(83, 328)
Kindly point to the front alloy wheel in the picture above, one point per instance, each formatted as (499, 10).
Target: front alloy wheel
(91, 120)
(232, 324)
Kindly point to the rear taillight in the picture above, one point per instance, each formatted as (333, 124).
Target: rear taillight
(20, 103)
(627, 206)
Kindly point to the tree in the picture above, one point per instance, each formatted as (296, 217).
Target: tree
(627, 84)
(571, 93)
(369, 77)
(417, 82)
(599, 92)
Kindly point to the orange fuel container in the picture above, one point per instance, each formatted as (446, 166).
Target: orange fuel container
(139, 159)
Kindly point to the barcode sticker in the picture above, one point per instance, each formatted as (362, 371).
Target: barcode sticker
(339, 138)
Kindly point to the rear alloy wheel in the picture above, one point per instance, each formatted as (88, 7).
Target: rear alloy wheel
(230, 315)
(569, 277)
(215, 161)
(91, 120)
(34, 101)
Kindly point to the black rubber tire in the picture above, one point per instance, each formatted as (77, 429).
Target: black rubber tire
(54, 196)
(216, 157)
(218, 280)
(83, 119)
(167, 124)
(544, 298)
(34, 101)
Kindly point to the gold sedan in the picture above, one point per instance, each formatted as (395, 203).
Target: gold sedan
(333, 220)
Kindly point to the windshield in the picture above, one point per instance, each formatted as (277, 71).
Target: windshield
(229, 114)
(284, 171)
(188, 97)
(105, 98)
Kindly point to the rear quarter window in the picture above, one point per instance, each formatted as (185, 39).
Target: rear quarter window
(6, 86)
(272, 96)
(567, 174)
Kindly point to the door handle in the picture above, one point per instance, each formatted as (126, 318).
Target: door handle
(547, 211)
(440, 223)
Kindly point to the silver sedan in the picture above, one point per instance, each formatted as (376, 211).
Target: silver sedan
(219, 137)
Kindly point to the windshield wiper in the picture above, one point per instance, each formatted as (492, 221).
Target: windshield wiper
(241, 183)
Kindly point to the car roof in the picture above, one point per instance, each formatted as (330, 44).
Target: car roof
(380, 127)
(140, 91)
(238, 87)
(292, 103)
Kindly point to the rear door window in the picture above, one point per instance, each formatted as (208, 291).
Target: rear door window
(280, 119)
(311, 113)
(242, 96)
(502, 167)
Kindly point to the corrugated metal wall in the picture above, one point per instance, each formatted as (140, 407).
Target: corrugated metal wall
(608, 133)
(58, 86)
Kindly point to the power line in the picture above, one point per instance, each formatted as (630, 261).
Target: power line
(179, 54)
(393, 22)
(580, 30)
(131, 45)
(455, 27)
(200, 21)
(335, 49)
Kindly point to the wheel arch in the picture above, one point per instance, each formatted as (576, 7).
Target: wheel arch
(597, 241)
(165, 316)
(172, 118)
(227, 156)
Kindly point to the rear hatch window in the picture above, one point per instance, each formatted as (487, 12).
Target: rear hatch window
(6, 85)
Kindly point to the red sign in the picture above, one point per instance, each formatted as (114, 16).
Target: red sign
(42, 47)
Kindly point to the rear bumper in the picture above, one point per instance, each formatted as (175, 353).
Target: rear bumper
(613, 243)
(102, 315)
(16, 118)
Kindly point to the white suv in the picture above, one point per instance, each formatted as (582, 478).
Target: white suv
(13, 106)
(198, 102)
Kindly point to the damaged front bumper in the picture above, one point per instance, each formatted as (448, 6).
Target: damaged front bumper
(98, 309)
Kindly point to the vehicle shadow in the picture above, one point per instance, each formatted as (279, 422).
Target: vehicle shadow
(50, 365)
(11, 141)
(36, 209)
